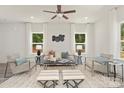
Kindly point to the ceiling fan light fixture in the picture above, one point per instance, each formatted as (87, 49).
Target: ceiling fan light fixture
(60, 15)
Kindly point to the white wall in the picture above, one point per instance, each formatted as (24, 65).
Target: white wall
(120, 14)
(58, 47)
(16, 37)
(90, 40)
(107, 33)
(12, 39)
(102, 36)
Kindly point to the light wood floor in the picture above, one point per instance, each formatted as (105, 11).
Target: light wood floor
(28, 80)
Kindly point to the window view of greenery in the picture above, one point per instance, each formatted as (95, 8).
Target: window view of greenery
(80, 42)
(122, 41)
(122, 46)
(122, 50)
(37, 42)
(37, 38)
(80, 38)
(122, 31)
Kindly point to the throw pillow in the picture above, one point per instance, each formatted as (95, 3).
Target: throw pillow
(64, 55)
(20, 61)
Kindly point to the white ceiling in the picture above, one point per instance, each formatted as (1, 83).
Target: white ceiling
(23, 13)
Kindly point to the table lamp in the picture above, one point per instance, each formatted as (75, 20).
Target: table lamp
(38, 48)
(79, 49)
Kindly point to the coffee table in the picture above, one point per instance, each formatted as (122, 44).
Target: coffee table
(58, 62)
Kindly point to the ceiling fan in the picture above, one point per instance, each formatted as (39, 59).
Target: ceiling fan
(60, 13)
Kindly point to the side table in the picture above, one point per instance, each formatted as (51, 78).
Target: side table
(115, 64)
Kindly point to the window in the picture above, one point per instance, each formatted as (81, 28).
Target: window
(122, 41)
(80, 42)
(37, 42)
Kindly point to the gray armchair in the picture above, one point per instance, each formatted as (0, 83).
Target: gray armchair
(16, 69)
(101, 63)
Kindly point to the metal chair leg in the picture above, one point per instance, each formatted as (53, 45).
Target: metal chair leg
(6, 70)
(93, 68)
(108, 69)
(114, 72)
(122, 72)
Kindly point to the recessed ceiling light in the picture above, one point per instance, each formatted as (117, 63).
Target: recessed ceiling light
(85, 18)
(32, 17)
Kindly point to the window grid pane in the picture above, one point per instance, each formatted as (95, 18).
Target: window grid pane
(37, 38)
(79, 38)
(122, 31)
(37, 42)
(80, 42)
(122, 41)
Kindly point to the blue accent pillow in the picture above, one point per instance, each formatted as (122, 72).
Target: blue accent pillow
(101, 60)
(64, 55)
(20, 61)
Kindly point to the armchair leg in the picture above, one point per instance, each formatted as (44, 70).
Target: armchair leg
(85, 63)
(6, 70)
(36, 67)
(93, 68)
(122, 72)
(108, 69)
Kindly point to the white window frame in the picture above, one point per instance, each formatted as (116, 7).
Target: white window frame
(36, 43)
(120, 39)
(81, 43)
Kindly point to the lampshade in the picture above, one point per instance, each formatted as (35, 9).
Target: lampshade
(38, 47)
(79, 47)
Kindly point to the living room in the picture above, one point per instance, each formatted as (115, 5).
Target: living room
(99, 28)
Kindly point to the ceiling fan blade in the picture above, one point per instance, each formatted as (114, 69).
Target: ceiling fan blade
(54, 16)
(59, 8)
(65, 17)
(70, 11)
(48, 11)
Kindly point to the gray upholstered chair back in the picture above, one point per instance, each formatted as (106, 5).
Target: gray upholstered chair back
(107, 56)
